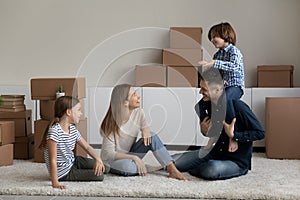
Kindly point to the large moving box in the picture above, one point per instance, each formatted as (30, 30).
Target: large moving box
(179, 62)
(182, 77)
(40, 126)
(283, 127)
(185, 37)
(22, 119)
(24, 147)
(150, 76)
(82, 128)
(46, 88)
(7, 132)
(182, 57)
(275, 75)
(6, 154)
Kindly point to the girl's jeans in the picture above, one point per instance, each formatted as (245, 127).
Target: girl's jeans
(82, 170)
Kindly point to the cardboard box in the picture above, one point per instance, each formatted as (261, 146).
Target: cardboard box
(38, 155)
(47, 109)
(82, 128)
(186, 37)
(46, 88)
(23, 147)
(6, 154)
(182, 77)
(22, 119)
(283, 127)
(7, 132)
(40, 126)
(150, 76)
(275, 75)
(182, 57)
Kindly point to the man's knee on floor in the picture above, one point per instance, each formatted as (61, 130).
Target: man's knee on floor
(211, 171)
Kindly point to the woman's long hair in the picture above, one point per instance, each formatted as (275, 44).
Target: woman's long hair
(62, 104)
(116, 111)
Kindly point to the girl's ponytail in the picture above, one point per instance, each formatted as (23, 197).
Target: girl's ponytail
(44, 140)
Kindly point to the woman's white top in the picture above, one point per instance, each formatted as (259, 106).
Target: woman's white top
(128, 135)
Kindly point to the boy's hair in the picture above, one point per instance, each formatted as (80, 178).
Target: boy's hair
(113, 118)
(61, 105)
(223, 30)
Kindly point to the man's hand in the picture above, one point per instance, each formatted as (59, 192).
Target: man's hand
(205, 125)
(229, 128)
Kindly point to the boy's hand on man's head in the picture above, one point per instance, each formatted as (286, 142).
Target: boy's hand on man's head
(206, 64)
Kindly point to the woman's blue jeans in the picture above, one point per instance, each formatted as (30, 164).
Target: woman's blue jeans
(207, 168)
(127, 167)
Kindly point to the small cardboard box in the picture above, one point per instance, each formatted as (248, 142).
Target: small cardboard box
(23, 147)
(182, 77)
(22, 119)
(150, 76)
(40, 126)
(82, 128)
(47, 109)
(46, 88)
(275, 75)
(6, 154)
(7, 132)
(283, 127)
(182, 57)
(185, 37)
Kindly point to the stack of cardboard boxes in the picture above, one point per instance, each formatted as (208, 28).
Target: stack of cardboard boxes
(23, 136)
(44, 90)
(282, 114)
(179, 62)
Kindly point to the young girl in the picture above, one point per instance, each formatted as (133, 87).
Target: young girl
(59, 142)
(229, 60)
(120, 128)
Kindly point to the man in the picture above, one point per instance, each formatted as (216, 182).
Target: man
(231, 132)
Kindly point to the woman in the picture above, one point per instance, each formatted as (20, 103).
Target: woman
(120, 128)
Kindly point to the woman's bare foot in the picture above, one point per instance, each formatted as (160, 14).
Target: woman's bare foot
(175, 173)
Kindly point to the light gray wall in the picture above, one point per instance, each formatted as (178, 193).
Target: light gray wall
(64, 38)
